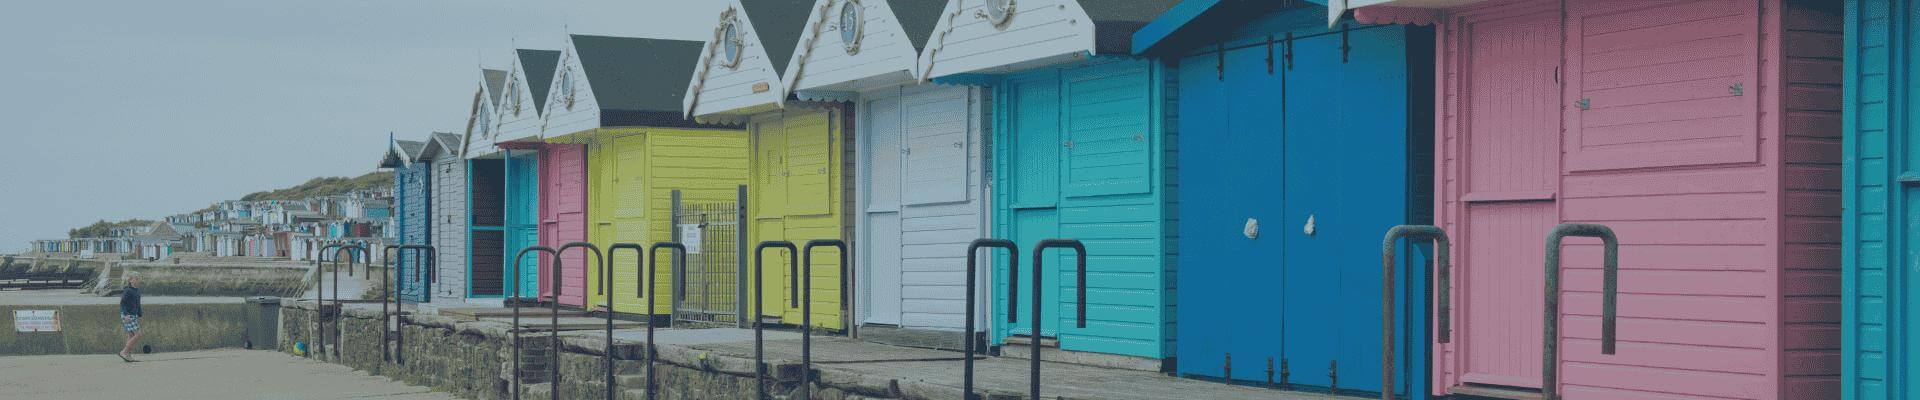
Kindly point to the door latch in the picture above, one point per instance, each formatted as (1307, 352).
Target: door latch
(1584, 103)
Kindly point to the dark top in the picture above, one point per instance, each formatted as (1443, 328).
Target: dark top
(130, 301)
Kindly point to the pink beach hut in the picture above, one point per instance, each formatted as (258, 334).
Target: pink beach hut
(1705, 133)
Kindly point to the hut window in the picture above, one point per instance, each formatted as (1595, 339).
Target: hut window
(566, 86)
(513, 93)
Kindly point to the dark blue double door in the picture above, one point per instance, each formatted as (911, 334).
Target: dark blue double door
(1290, 175)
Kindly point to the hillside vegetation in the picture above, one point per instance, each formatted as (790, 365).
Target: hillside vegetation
(327, 186)
(101, 228)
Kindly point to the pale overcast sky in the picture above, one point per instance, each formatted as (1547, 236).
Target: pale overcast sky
(133, 108)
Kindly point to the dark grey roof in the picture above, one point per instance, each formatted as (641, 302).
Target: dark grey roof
(918, 18)
(778, 23)
(538, 67)
(439, 144)
(637, 81)
(495, 80)
(1114, 21)
(400, 152)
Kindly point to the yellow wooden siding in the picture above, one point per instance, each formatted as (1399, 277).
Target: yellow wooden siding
(798, 180)
(633, 173)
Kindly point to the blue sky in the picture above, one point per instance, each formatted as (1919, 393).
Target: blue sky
(121, 109)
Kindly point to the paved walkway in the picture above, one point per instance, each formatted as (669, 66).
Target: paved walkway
(212, 374)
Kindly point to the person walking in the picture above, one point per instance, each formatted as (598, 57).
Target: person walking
(130, 314)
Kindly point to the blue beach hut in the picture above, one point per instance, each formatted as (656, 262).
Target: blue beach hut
(1306, 143)
(412, 191)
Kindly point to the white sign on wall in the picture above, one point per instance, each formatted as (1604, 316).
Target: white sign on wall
(36, 321)
(690, 237)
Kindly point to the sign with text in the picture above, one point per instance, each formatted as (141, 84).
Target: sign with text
(36, 321)
(690, 236)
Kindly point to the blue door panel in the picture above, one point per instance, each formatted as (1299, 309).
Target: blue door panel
(416, 220)
(1317, 155)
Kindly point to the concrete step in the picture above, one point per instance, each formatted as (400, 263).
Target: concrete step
(1497, 393)
(577, 323)
(477, 313)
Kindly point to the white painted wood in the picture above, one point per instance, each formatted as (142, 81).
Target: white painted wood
(566, 115)
(718, 92)
(914, 252)
(517, 117)
(479, 137)
(450, 226)
(879, 229)
(964, 41)
(885, 57)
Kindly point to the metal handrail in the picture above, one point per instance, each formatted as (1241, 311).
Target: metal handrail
(600, 263)
(517, 258)
(653, 258)
(1013, 261)
(340, 308)
(806, 308)
(399, 316)
(759, 306)
(1013, 300)
(1609, 291)
(1443, 264)
(320, 300)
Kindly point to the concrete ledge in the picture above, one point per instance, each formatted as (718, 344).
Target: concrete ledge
(474, 360)
(91, 325)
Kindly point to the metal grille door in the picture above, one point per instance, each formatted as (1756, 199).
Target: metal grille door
(709, 282)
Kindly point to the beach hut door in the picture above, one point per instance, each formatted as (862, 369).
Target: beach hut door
(1511, 170)
(1037, 148)
(883, 210)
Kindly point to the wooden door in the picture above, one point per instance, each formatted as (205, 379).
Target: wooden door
(881, 250)
(522, 223)
(564, 171)
(769, 198)
(1510, 174)
(1037, 149)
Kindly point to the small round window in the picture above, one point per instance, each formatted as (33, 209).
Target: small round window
(852, 25)
(730, 42)
(999, 12)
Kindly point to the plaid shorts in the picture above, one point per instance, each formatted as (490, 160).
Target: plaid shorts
(132, 322)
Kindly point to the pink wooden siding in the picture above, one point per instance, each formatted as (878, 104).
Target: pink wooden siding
(563, 218)
(1704, 133)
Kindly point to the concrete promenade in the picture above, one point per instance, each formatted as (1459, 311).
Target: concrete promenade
(208, 374)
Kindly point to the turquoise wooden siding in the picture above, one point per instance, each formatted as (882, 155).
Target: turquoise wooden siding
(1087, 157)
(522, 220)
(1877, 360)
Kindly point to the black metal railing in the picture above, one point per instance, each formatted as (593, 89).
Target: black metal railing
(399, 316)
(806, 307)
(1013, 262)
(1609, 292)
(320, 300)
(680, 254)
(1442, 262)
(599, 266)
(759, 307)
(1013, 299)
(340, 308)
(517, 258)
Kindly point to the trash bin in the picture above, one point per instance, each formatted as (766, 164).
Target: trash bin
(263, 322)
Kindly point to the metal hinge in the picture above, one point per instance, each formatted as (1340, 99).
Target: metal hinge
(1333, 377)
(1269, 54)
(1345, 46)
(1286, 382)
(1228, 368)
(1220, 65)
(1289, 52)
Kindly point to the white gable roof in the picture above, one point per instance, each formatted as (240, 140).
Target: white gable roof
(722, 93)
(826, 67)
(518, 116)
(1038, 31)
